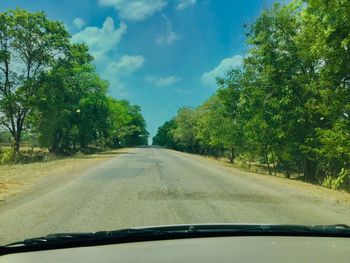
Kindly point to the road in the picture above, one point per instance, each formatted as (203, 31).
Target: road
(151, 186)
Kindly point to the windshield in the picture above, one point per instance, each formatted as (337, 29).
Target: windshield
(118, 114)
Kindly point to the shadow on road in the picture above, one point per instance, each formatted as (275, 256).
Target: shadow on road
(103, 155)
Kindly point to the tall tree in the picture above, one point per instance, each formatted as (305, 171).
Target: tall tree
(326, 36)
(71, 110)
(165, 135)
(127, 126)
(185, 132)
(29, 44)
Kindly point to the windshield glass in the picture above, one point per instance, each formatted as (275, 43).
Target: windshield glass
(130, 113)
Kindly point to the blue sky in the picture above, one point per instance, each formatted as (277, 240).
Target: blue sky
(160, 54)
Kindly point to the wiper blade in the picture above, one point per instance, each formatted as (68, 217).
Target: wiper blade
(228, 229)
(59, 238)
(65, 240)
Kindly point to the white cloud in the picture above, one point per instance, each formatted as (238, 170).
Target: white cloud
(135, 10)
(170, 36)
(78, 23)
(167, 39)
(184, 91)
(126, 65)
(183, 4)
(161, 82)
(101, 40)
(117, 72)
(209, 78)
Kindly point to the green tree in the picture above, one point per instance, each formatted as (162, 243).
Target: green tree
(185, 132)
(281, 87)
(29, 46)
(126, 124)
(165, 135)
(330, 46)
(72, 108)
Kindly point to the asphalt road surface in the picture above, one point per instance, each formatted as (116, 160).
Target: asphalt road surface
(151, 186)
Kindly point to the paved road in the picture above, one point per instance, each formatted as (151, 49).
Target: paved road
(150, 186)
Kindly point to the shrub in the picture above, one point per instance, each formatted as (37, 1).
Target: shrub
(7, 157)
(341, 182)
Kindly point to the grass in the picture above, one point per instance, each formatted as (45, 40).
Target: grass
(252, 167)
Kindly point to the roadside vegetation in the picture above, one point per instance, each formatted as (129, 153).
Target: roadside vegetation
(51, 98)
(288, 107)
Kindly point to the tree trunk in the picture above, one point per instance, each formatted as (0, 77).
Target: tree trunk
(274, 164)
(267, 159)
(285, 166)
(310, 170)
(17, 148)
(18, 131)
(232, 154)
(268, 163)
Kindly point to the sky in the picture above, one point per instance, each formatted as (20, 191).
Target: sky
(159, 54)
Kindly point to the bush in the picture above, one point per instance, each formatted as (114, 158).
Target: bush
(7, 157)
(341, 182)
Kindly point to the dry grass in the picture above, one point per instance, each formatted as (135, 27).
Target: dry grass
(18, 178)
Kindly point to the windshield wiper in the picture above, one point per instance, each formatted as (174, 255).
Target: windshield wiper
(59, 238)
(64, 240)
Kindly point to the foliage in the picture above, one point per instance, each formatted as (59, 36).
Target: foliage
(288, 107)
(126, 124)
(7, 156)
(5, 137)
(185, 132)
(165, 136)
(29, 45)
(342, 182)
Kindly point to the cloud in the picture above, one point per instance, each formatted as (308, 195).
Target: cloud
(126, 65)
(78, 23)
(161, 82)
(209, 78)
(169, 36)
(101, 40)
(183, 4)
(167, 39)
(184, 91)
(135, 10)
(116, 72)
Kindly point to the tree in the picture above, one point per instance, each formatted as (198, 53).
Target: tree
(185, 132)
(71, 110)
(330, 47)
(29, 45)
(283, 78)
(127, 125)
(232, 125)
(165, 135)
